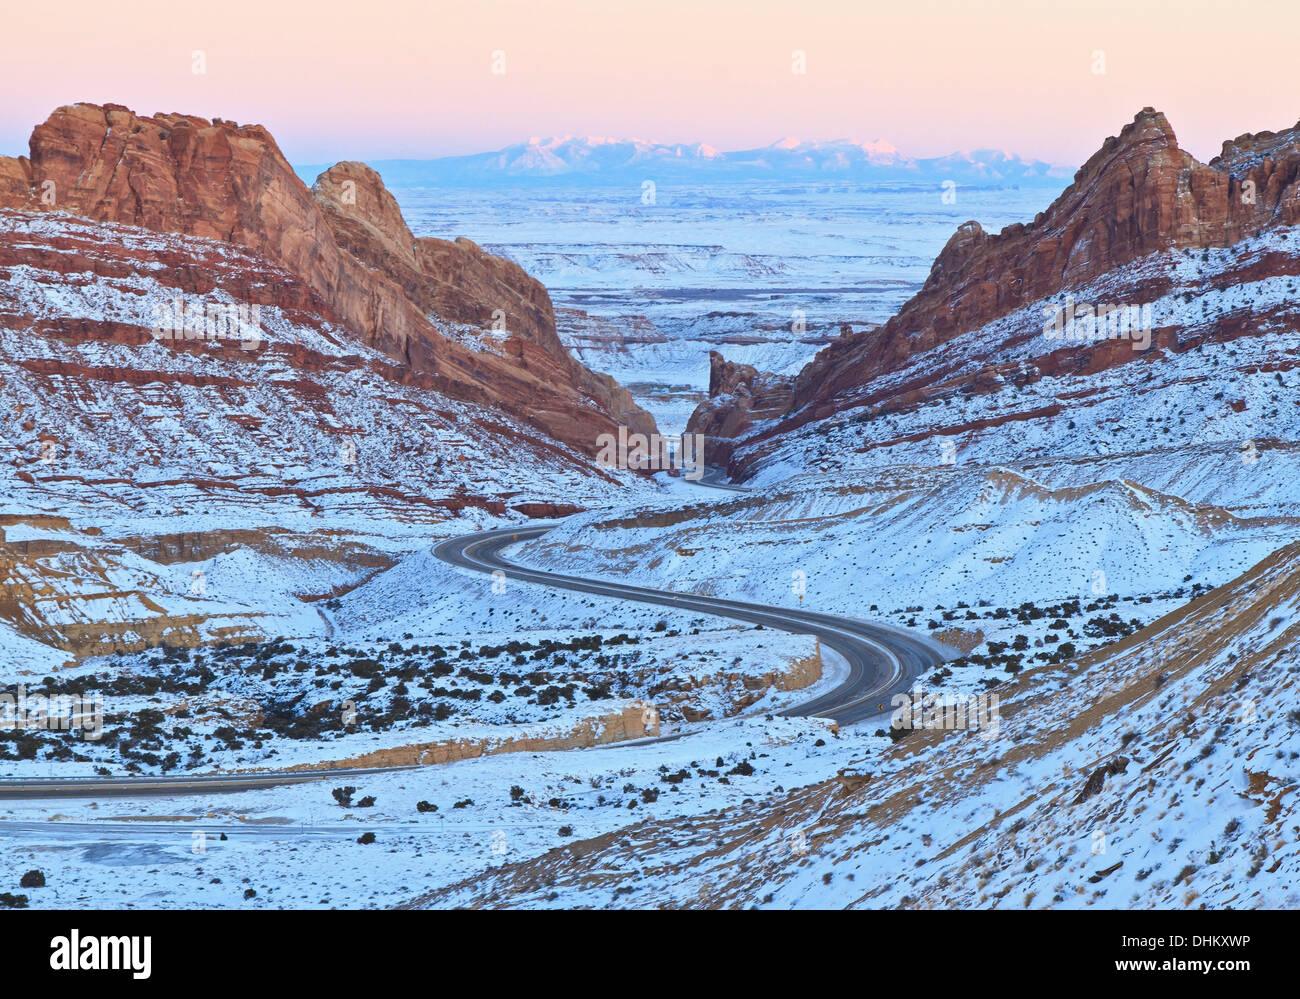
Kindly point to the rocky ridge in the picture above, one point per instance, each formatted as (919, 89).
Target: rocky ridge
(1137, 209)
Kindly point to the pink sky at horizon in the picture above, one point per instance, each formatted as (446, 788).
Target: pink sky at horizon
(378, 80)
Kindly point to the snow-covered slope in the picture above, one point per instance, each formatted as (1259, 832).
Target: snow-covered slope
(1161, 773)
(144, 468)
(920, 536)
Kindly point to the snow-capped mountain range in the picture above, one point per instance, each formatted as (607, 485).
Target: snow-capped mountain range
(595, 158)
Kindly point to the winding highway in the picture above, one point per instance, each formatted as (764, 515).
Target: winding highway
(881, 663)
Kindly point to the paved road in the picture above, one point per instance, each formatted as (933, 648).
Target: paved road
(881, 662)
(144, 787)
(715, 478)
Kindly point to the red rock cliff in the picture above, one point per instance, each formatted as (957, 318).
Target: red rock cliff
(1139, 194)
(179, 173)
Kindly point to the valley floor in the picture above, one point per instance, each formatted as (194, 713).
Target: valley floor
(1183, 681)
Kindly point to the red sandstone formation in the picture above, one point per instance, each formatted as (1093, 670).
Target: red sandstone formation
(218, 180)
(1139, 195)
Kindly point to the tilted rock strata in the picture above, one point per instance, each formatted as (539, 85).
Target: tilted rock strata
(178, 173)
(1140, 196)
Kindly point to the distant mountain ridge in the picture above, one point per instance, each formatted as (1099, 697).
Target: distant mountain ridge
(594, 159)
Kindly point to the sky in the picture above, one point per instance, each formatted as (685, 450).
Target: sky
(380, 79)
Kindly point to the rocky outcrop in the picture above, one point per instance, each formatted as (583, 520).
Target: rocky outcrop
(456, 280)
(739, 396)
(461, 283)
(631, 722)
(1138, 195)
(44, 596)
(15, 180)
(74, 590)
(736, 690)
(221, 181)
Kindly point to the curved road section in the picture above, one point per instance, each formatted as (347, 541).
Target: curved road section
(882, 662)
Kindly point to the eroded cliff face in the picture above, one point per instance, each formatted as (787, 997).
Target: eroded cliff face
(455, 280)
(739, 396)
(459, 282)
(368, 414)
(218, 180)
(1139, 195)
(305, 461)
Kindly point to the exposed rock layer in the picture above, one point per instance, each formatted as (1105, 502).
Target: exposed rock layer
(1140, 194)
(183, 174)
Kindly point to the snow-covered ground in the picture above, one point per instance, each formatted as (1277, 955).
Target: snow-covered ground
(1089, 565)
(763, 272)
(498, 811)
(1159, 774)
(297, 846)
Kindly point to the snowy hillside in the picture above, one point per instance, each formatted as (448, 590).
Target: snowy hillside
(765, 272)
(1158, 774)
